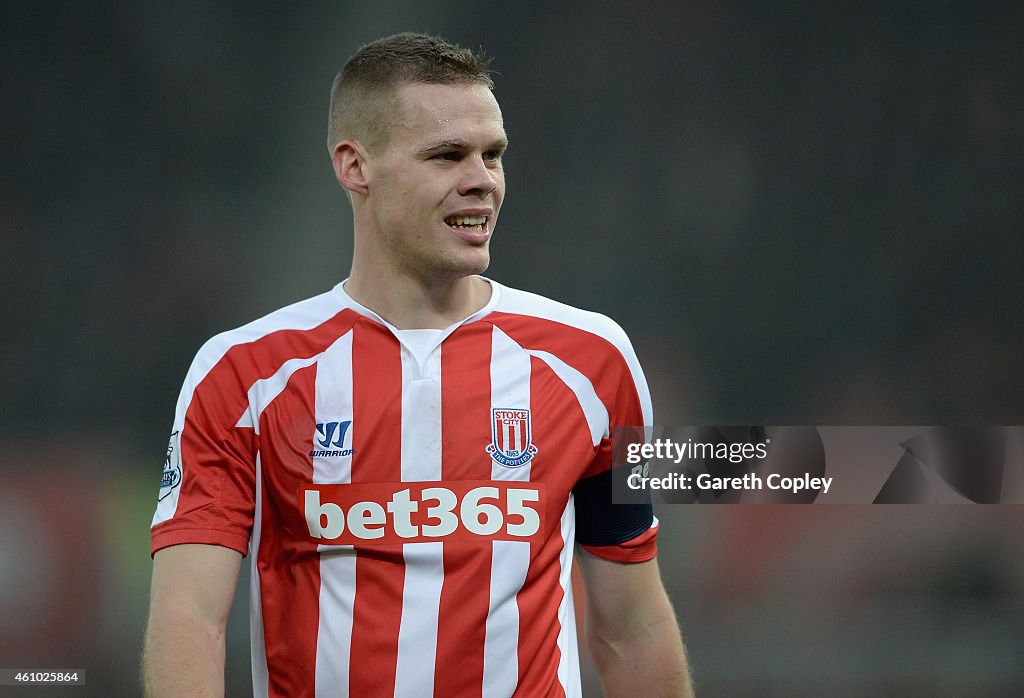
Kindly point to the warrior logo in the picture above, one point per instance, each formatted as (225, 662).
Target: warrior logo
(511, 437)
(330, 436)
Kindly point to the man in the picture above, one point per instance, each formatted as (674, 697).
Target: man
(408, 458)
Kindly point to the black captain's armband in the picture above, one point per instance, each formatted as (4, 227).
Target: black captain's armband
(608, 511)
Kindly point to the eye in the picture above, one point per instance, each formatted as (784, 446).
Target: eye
(450, 155)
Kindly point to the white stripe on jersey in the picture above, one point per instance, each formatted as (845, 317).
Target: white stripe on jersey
(424, 562)
(510, 560)
(568, 658)
(334, 404)
(510, 388)
(334, 634)
(333, 401)
(257, 642)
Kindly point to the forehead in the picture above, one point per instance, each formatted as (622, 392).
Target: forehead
(447, 112)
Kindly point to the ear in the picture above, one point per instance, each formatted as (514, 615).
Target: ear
(349, 163)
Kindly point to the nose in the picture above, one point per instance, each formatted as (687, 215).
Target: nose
(477, 178)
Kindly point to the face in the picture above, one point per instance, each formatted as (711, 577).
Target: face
(435, 186)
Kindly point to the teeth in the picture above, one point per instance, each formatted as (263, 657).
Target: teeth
(466, 220)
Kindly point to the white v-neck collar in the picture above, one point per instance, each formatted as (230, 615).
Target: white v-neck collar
(363, 310)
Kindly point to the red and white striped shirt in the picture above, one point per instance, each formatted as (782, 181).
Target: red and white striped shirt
(407, 497)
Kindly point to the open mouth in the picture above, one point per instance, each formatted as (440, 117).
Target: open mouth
(468, 224)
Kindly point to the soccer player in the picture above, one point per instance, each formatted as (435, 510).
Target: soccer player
(409, 459)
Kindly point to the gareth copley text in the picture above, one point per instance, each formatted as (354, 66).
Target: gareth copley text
(751, 482)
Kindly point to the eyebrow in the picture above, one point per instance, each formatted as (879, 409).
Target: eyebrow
(457, 144)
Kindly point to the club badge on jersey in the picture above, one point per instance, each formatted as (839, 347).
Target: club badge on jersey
(511, 437)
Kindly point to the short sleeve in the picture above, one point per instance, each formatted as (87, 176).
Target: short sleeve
(207, 489)
(613, 521)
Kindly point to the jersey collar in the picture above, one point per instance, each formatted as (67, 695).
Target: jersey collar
(495, 298)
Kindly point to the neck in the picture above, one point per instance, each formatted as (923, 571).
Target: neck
(411, 304)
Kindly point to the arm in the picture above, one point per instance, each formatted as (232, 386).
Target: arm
(632, 630)
(191, 594)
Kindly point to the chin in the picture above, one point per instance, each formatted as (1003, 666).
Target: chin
(474, 262)
(469, 265)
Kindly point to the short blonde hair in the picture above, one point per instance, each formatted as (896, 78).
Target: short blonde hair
(363, 94)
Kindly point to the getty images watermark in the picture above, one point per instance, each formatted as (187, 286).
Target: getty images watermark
(733, 453)
(793, 465)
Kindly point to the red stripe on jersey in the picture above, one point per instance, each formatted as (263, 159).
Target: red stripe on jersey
(380, 569)
(218, 509)
(538, 641)
(541, 594)
(465, 432)
(290, 610)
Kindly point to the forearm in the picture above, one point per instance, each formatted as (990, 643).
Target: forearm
(632, 631)
(642, 659)
(183, 656)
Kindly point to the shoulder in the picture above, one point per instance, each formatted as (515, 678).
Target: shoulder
(276, 334)
(543, 312)
(589, 343)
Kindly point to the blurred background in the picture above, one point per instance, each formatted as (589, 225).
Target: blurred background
(802, 213)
